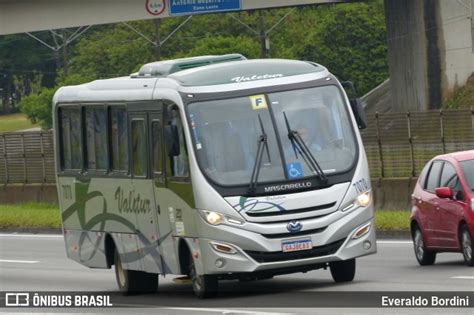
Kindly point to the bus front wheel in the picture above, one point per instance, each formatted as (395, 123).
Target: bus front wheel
(204, 286)
(343, 271)
(134, 282)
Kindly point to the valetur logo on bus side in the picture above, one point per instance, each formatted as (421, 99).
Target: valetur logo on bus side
(134, 203)
(256, 77)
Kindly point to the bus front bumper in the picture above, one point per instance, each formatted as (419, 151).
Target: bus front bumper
(337, 242)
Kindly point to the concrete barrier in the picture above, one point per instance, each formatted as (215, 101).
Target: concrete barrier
(393, 193)
(17, 193)
(389, 193)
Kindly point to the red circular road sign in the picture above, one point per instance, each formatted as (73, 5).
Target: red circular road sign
(155, 7)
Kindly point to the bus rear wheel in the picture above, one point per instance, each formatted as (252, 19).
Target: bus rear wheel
(343, 271)
(204, 286)
(134, 282)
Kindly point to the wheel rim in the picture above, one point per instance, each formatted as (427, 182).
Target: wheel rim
(466, 245)
(196, 280)
(419, 245)
(120, 273)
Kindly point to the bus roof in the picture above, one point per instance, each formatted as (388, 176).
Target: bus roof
(244, 71)
(202, 74)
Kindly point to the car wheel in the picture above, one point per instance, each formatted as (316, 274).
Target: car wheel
(134, 282)
(466, 245)
(343, 271)
(424, 256)
(204, 286)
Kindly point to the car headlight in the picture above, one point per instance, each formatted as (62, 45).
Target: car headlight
(472, 204)
(364, 199)
(216, 218)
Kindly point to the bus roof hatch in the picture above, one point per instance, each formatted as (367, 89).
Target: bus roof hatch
(165, 68)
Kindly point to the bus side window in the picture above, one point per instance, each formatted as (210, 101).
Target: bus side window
(96, 138)
(139, 156)
(70, 137)
(119, 138)
(157, 146)
(178, 164)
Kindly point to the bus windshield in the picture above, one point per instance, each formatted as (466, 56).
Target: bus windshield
(226, 135)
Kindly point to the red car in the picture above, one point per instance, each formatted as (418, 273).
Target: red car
(442, 216)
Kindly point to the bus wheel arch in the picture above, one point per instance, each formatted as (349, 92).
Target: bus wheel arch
(184, 254)
(109, 249)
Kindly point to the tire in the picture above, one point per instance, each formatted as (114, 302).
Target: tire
(466, 246)
(424, 256)
(204, 286)
(343, 271)
(134, 282)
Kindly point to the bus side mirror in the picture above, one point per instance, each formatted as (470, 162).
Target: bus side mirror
(356, 105)
(172, 140)
(358, 110)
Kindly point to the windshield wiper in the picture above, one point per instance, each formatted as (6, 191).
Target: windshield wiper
(262, 143)
(300, 146)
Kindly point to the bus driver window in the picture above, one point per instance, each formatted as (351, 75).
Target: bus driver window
(177, 155)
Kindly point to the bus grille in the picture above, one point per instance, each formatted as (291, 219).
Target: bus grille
(318, 251)
(295, 211)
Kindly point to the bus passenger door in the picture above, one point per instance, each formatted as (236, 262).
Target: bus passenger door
(161, 194)
(141, 199)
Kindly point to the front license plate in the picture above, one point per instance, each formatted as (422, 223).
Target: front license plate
(296, 245)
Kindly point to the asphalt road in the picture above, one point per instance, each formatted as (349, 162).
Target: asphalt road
(39, 263)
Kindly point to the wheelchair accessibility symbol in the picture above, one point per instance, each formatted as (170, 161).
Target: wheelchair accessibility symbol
(294, 170)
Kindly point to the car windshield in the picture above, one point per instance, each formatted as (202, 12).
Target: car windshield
(226, 134)
(467, 168)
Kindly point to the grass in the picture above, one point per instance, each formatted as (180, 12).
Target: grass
(15, 122)
(387, 220)
(46, 216)
(30, 215)
(462, 97)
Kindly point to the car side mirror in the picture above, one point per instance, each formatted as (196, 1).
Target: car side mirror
(172, 140)
(444, 192)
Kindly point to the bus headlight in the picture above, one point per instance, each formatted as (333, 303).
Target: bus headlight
(213, 218)
(364, 199)
(216, 218)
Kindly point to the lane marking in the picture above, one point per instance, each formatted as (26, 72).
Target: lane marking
(33, 235)
(199, 309)
(19, 261)
(463, 277)
(394, 242)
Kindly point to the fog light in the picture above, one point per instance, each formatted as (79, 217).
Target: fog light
(223, 248)
(362, 231)
(220, 263)
(367, 245)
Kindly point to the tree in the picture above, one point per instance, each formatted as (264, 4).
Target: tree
(351, 41)
(111, 52)
(38, 107)
(226, 45)
(22, 60)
